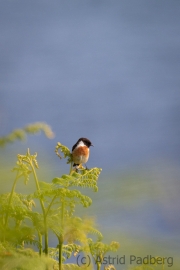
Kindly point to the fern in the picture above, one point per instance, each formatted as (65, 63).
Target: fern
(71, 266)
(67, 250)
(99, 249)
(87, 178)
(24, 165)
(19, 208)
(21, 134)
(20, 224)
(37, 221)
(64, 194)
(65, 150)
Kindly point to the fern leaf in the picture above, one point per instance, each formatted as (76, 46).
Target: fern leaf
(20, 134)
(87, 178)
(65, 150)
(45, 185)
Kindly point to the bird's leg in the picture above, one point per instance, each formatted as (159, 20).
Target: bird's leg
(86, 167)
(78, 167)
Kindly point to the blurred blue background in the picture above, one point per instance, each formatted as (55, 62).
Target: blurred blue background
(108, 71)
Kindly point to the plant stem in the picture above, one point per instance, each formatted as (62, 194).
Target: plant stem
(10, 198)
(43, 209)
(70, 168)
(60, 238)
(50, 204)
(98, 263)
(40, 241)
(45, 237)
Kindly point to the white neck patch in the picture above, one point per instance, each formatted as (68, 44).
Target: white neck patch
(80, 144)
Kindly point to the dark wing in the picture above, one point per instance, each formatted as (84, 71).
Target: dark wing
(74, 146)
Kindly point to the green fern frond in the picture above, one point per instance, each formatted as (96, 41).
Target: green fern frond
(67, 251)
(60, 182)
(65, 195)
(23, 169)
(33, 242)
(71, 266)
(110, 267)
(40, 126)
(45, 186)
(24, 165)
(53, 252)
(65, 150)
(19, 208)
(87, 178)
(27, 201)
(96, 232)
(71, 249)
(99, 249)
(37, 221)
(20, 134)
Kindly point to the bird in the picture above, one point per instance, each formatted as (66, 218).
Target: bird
(80, 151)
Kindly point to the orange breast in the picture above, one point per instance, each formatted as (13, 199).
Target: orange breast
(80, 154)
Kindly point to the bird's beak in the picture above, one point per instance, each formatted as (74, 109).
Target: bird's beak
(92, 145)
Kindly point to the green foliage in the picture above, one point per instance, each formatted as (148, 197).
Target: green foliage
(143, 267)
(109, 267)
(21, 226)
(65, 150)
(77, 229)
(21, 134)
(12, 258)
(72, 267)
(99, 249)
(23, 166)
(86, 178)
(19, 207)
(68, 250)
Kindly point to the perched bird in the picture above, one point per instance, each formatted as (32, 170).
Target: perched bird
(80, 151)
